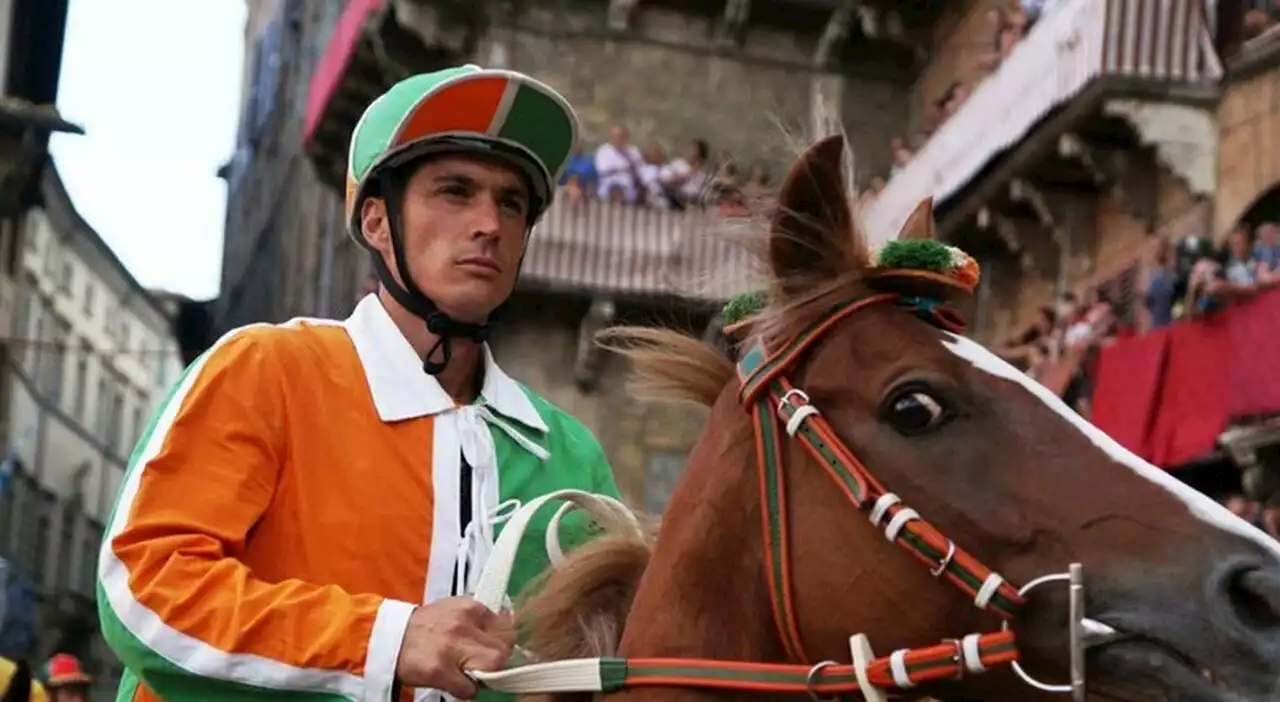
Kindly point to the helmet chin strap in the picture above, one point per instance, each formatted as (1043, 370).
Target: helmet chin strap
(444, 327)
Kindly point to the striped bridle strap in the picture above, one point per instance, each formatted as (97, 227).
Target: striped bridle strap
(867, 675)
(778, 407)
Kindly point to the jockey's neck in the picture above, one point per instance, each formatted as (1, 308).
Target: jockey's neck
(463, 377)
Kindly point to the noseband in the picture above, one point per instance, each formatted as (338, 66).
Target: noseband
(779, 408)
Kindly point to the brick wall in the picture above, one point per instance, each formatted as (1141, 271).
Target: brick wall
(961, 38)
(1120, 240)
(1249, 146)
(663, 83)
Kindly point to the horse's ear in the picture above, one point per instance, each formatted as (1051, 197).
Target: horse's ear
(919, 224)
(813, 220)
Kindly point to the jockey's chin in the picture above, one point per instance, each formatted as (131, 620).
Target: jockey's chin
(471, 296)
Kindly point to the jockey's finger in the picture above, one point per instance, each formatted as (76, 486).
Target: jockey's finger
(458, 684)
(487, 652)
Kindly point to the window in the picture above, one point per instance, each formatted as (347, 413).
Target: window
(162, 371)
(123, 329)
(81, 381)
(66, 275)
(37, 349)
(661, 471)
(66, 545)
(28, 310)
(103, 403)
(139, 418)
(90, 545)
(43, 507)
(90, 293)
(115, 416)
(55, 353)
(52, 255)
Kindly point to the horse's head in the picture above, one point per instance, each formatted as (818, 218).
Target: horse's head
(851, 399)
(995, 463)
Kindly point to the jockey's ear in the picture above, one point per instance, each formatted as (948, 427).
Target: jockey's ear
(812, 228)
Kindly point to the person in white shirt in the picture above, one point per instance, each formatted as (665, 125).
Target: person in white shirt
(684, 179)
(618, 164)
(650, 172)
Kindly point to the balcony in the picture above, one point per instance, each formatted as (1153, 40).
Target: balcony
(602, 248)
(1085, 56)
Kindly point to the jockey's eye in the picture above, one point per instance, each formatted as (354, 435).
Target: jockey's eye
(913, 411)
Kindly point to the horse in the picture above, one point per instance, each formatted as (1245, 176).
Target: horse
(880, 505)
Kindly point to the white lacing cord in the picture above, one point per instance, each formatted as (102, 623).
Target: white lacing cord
(476, 440)
(525, 442)
(478, 536)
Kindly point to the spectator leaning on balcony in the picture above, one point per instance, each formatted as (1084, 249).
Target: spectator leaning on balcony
(314, 502)
(650, 172)
(617, 165)
(684, 178)
(581, 169)
(1266, 253)
(1162, 286)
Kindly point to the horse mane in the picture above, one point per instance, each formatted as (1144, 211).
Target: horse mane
(814, 255)
(673, 366)
(19, 689)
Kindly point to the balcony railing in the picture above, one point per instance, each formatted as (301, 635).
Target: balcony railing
(614, 249)
(1077, 42)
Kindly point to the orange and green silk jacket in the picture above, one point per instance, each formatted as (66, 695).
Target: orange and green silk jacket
(299, 492)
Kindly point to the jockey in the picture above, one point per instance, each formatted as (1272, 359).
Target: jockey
(65, 679)
(311, 506)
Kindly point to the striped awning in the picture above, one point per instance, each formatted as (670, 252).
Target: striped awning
(605, 248)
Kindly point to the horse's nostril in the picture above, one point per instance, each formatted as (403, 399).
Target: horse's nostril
(1254, 595)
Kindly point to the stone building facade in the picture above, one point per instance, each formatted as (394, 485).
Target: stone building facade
(1114, 123)
(96, 355)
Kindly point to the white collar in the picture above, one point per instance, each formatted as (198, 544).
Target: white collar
(400, 388)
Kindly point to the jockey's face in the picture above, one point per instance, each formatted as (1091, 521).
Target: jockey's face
(70, 693)
(465, 222)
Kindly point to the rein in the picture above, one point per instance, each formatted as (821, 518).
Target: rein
(779, 408)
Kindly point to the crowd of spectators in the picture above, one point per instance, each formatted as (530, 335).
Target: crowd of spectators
(1009, 26)
(1193, 278)
(620, 172)
(1264, 515)
(1065, 335)
(1183, 280)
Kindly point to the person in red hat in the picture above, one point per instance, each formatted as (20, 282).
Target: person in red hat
(65, 679)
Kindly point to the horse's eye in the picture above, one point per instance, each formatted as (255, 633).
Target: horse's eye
(914, 412)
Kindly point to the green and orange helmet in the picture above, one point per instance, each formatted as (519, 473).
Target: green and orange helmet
(500, 113)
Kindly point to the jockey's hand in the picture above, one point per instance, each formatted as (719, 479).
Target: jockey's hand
(447, 637)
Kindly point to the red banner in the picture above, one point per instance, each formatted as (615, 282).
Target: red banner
(1169, 394)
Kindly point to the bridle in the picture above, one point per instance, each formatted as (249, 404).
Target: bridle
(779, 408)
(775, 403)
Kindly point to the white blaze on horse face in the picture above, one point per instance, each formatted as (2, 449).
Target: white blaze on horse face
(1200, 505)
